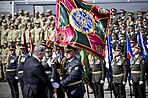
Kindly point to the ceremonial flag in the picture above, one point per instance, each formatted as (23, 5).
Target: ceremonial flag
(82, 25)
(85, 64)
(110, 55)
(31, 42)
(109, 46)
(128, 47)
(144, 52)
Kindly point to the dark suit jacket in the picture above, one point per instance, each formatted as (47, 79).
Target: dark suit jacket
(35, 79)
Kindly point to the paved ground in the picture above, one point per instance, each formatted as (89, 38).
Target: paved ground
(5, 91)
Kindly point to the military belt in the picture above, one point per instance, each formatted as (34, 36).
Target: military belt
(74, 83)
(20, 72)
(96, 72)
(134, 72)
(118, 75)
(10, 70)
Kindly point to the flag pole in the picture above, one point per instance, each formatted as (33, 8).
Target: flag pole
(87, 90)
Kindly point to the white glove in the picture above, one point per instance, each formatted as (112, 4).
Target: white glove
(124, 82)
(102, 81)
(131, 81)
(55, 85)
(16, 77)
(140, 82)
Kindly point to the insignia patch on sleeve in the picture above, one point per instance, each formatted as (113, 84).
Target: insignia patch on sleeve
(76, 68)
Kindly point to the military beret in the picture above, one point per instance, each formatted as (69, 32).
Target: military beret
(113, 10)
(119, 47)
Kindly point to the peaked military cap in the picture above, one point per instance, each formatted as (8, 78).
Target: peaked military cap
(139, 18)
(113, 10)
(22, 46)
(144, 19)
(141, 28)
(119, 47)
(48, 49)
(122, 11)
(12, 47)
(138, 46)
(131, 26)
(130, 14)
(69, 48)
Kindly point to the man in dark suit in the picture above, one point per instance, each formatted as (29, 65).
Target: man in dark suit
(35, 79)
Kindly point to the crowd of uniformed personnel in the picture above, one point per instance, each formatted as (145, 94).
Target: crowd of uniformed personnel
(16, 34)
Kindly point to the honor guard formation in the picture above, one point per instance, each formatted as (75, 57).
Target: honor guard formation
(30, 56)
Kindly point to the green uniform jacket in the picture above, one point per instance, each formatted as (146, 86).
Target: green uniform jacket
(120, 69)
(138, 67)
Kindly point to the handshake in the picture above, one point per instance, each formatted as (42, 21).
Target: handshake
(55, 85)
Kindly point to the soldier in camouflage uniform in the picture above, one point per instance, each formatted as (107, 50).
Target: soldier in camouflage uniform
(10, 34)
(9, 17)
(119, 66)
(4, 33)
(28, 31)
(4, 56)
(138, 66)
(37, 32)
(15, 33)
(50, 15)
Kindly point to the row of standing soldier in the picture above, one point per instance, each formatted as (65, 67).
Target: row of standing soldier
(114, 45)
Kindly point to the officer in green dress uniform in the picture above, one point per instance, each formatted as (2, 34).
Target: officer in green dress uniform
(138, 66)
(119, 66)
(98, 77)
